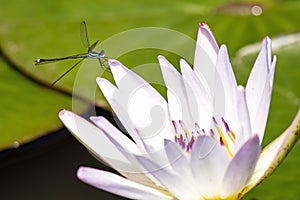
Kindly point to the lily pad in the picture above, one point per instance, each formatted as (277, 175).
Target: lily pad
(27, 110)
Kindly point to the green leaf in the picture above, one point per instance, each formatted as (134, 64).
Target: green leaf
(27, 110)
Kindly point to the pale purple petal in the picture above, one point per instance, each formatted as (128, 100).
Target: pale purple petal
(260, 121)
(154, 153)
(209, 162)
(108, 89)
(105, 148)
(178, 159)
(177, 94)
(198, 96)
(90, 136)
(206, 54)
(118, 185)
(241, 168)
(245, 131)
(174, 106)
(229, 86)
(176, 184)
(128, 149)
(256, 90)
(115, 136)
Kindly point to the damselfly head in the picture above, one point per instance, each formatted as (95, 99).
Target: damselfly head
(38, 60)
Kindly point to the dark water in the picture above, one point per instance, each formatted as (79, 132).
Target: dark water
(46, 170)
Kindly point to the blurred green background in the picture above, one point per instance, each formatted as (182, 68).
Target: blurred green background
(43, 29)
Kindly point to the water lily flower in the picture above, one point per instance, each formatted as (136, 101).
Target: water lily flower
(203, 142)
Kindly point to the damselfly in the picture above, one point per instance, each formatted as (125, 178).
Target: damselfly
(103, 60)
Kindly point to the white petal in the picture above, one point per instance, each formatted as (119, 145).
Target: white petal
(143, 107)
(95, 141)
(109, 145)
(119, 157)
(176, 184)
(178, 160)
(99, 145)
(127, 148)
(111, 93)
(206, 54)
(274, 153)
(227, 97)
(109, 90)
(198, 96)
(241, 168)
(244, 132)
(174, 106)
(260, 121)
(258, 80)
(179, 107)
(118, 185)
(209, 162)
(115, 136)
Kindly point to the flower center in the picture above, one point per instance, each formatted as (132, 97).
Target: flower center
(222, 134)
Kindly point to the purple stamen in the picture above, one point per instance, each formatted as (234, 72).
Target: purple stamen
(191, 142)
(215, 121)
(175, 126)
(186, 138)
(226, 125)
(221, 141)
(181, 123)
(197, 127)
(212, 133)
(181, 139)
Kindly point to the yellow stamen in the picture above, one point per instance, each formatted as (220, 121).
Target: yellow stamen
(231, 136)
(224, 140)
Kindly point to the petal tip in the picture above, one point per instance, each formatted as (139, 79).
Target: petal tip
(81, 172)
(267, 43)
(98, 79)
(96, 118)
(113, 63)
(267, 38)
(223, 47)
(161, 58)
(204, 25)
(93, 118)
(61, 112)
